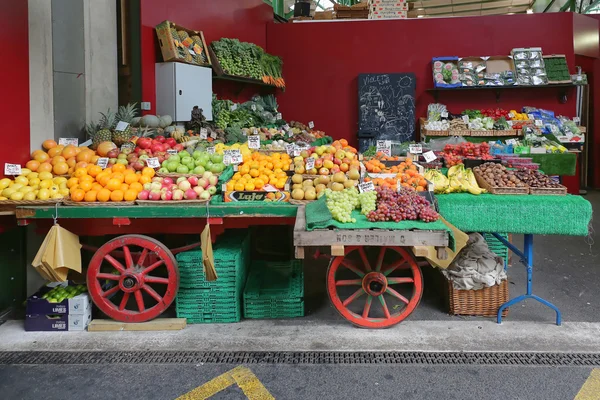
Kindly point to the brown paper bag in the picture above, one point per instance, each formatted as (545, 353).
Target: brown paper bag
(208, 260)
(60, 252)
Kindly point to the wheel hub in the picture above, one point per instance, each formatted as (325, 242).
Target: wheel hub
(130, 283)
(375, 283)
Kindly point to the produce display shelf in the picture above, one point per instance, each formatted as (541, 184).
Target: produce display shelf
(562, 95)
(219, 73)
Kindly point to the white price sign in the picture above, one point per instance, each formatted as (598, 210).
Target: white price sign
(385, 147)
(68, 141)
(203, 133)
(530, 116)
(210, 150)
(511, 141)
(579, 78)
(253, 107)
(233, 107)
(255, 131)
(569, 135)
(290, 133)
(278, 116)
(254, 142)
(192, 52)
(415, 149)
(539, 123)
(12, 169)
(290, 149)
(311, 124)
(511, 115)
(153, 162)
(233, 157)
(286, 127)
(577, 120)
(510, 123)
(444, 114)
(121, 126)
(465, 119)
(366, 187)
(429, 156)
(171, 151)
(102, 162)
(310, 163)
(213, 135)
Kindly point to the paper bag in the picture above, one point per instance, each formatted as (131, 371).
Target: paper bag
(208, 260)
(59, 253)
(460, 241)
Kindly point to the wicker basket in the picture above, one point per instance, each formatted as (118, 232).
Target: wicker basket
(482, 303)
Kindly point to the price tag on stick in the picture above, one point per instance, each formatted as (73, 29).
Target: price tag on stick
(254, 142)
(366, 187)
(286, 127)
(511, 141)
(429, 156)
(310, 163)
(171, 151)
(121, 126)
(210, 150)
(278, 116)
(153, 162)
(385, 147)
(311, 124)
(577, 120)
(203, 134)
(213, 135)
(68, 141)
(415, 149)
(102, 162)
(12, 169)
(539, 123)
(289, 148)
(465, 119)
(444, 114)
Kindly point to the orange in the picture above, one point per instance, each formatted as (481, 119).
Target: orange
(230, 186)
(236, 176)
(72, 182)
(113, 184)
(41, 157)
(244, 169)
(86, 178)
(249, 186)
(91, 195)
(118, 168)
(58, 159)
(48, 144)
(69, 151)
(103, 180)
(118, 176)
(71, 162)
(130, 195)
(280, 183)
(79, 172)
(85, 155)
(131, 178)
(259, 183)
(124, 187)
(97, 187)
(94, 159)
(60, 168)
(86, 186)
(145, 179)
(36, 152)
(117, 195)
(136, 186)
(93, 170)
(73, 188)
(77, 195)
(81, 164)
(147, 171)
(55, 151)
(238, 186)
(129, 171)
(103, 195)
(32, 165)
(254, 173)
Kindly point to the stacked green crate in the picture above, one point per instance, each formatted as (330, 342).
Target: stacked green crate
(274, 290)
(496, 246)
(557, 69)
(201, 301)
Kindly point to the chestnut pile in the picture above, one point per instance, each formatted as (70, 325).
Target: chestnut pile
(498, 176)
(536, 179)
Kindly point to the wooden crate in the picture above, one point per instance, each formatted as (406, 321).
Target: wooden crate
(170, 49)
(498, 190)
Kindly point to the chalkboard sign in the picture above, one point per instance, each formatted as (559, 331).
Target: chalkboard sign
(386, 107)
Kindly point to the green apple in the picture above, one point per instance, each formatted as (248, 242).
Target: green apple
(182, 169)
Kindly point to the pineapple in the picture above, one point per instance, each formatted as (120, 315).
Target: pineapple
(175, 36)
(126, 114)
(101, 131)
(200, 58)
(182, 35)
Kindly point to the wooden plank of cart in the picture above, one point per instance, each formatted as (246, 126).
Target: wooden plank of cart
(373, 279)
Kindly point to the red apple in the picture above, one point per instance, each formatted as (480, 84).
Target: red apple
(144, 143)
(178, 147)
(337, 161)
(161, 138)
(171, 142)
(323, 171)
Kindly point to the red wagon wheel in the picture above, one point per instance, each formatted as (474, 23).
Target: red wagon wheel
(374, 287)
(138, 288)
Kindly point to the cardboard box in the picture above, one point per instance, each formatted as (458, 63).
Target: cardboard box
(255, 195)
(390, 8)
(58, 322)
(76, 305)
(175, 50)
(396, 16)
(390, 13)
(498, 64)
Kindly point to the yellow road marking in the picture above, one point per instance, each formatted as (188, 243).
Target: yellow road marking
(241, 376)
(591, 388)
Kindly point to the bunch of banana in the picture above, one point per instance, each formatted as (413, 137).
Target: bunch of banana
(462, 180)
(439, 180)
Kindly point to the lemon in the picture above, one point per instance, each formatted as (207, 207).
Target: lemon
(45, 175)
(60, 179)
(25, 171)
(36, 191)
(64, 192)
(34, 181)
(54, 189)
(33, 175)
(22, 180)
(7, 192)
(4, 183)
(63, 185)
(34, 187)
(16, 186)
(29, 196)
(46, 183)
(26, 189)
(43, 194)
(17, 196)
(3, 198)
(57, 196)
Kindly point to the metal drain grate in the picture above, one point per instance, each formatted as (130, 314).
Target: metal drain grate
(406, 358)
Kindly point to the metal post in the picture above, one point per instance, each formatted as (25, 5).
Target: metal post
(278, 8)
(528, 244)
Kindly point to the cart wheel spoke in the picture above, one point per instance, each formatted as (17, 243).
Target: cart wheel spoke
(350, 265)
(118, 266)
(394, 266)
(156, 279)
(139, 300)
(396, 295)
(153, 267)
(395, 281)
(354, 296)
(111, 291)
(349, 282)
(152, 293)
(124, 301)
(128, 258)
(367, 308)
(380, 259)
(364, 258)
(386, 311)
(110, 277)
(142, 258)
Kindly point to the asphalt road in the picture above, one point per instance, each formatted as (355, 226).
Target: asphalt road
(295, 381)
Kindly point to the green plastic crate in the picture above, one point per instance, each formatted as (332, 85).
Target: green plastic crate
(497, 246)
(274, 290)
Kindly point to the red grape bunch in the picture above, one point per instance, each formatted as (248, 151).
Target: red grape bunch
(403, 205)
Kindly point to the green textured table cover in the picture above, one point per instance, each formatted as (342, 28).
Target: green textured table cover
(319, 217)
(563, 164)
(540, 215)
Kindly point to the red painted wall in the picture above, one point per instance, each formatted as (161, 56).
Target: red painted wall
(242, 19)
(14, 81)
(322, 61)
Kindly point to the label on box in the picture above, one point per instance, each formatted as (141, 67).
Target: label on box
(415, 149)
(102, 162)
(465, 119)
(511, 141)
(172, 152)
(530, 116)
(310, 163)
(233, 107)
(12, 169)
(278, 116)
(569, 135)
(73, 141)
(366, 187)
(444, 114)
(385, 147)
(270, 188)
(121, 126)
(254, 142)
(311, 124)
(539, 123)
(210, 150)
(429, 156)
(213, 135)
(203, 133)
(153, 162)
